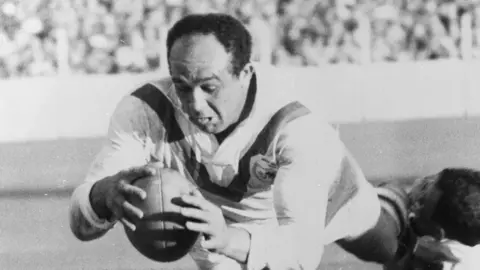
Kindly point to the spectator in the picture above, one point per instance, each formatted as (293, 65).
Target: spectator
(116, 36)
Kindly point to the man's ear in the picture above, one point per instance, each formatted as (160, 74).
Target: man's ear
(246, 72)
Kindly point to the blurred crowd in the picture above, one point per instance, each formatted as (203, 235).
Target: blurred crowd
(47, 37)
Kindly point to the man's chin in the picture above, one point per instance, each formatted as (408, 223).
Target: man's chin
(209, 128)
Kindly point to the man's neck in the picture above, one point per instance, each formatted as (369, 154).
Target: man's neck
(247, 109)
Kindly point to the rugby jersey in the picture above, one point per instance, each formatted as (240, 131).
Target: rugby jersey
(282, 174)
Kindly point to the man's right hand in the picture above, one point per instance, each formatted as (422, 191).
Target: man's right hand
(108, 196)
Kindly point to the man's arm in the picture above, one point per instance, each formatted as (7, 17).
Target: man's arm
(84, 222)
(310, 160)
(124, 148)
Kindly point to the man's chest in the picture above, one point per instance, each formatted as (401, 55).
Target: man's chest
(236, 175)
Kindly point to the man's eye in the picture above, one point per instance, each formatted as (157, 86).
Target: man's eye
(182, 88)
(209, 88)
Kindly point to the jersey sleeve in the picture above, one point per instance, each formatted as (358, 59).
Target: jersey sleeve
(310, 156)
(127, 145)
(128, 142)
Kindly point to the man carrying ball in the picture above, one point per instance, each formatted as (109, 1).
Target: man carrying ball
(275, 183)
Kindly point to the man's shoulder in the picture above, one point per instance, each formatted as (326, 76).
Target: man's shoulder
(147, 104)
(310, 126)
(157, 96)
(277, 87)
(162, 86)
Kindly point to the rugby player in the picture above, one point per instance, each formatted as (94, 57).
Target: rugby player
(275, 183)
(445, 223)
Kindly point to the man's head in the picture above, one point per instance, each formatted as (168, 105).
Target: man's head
(458, 209)
(209, 62)
(453, 201)
(444, 216)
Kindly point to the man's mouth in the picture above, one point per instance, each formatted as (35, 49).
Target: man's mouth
(203, 120)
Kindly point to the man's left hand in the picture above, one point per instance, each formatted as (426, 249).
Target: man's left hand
(207, 219)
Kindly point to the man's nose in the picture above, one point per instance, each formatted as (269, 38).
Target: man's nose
(197, 101)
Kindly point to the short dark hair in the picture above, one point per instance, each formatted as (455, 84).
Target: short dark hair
(229, 31)
(458, 209)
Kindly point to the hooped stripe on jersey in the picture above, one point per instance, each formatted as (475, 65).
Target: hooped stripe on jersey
(174, 136)
(197, 171)
(286, 114)
(237, 189)
(343, 190)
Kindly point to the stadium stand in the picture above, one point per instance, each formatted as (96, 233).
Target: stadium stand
(47, 37)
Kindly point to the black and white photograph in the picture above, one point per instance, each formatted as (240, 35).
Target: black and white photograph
(240, 134)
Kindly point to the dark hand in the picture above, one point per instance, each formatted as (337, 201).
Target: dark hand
(207, 219)
(109, 195)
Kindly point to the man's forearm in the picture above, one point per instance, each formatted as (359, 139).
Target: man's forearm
(238, 246)
(84, 222)
(82, 229)
(98, 203)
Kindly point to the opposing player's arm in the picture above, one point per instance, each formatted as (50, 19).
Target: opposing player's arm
(124, 148)
(310, 158)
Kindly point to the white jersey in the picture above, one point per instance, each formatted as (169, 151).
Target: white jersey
(469, 256)
(469, 259)
(283, 174)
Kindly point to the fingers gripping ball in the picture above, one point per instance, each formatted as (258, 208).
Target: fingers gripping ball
(161, 235)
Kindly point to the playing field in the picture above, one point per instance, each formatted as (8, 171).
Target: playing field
(34, 230)
(35, 235)
(36, 181)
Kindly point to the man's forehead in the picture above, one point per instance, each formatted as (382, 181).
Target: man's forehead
(198, 57)
(197, 69)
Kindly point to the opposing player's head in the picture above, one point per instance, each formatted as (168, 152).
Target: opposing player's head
(209, 62)
(445, 216)
(450, 202)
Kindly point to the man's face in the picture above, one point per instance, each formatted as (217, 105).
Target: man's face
(210, 94)
(424, 197)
